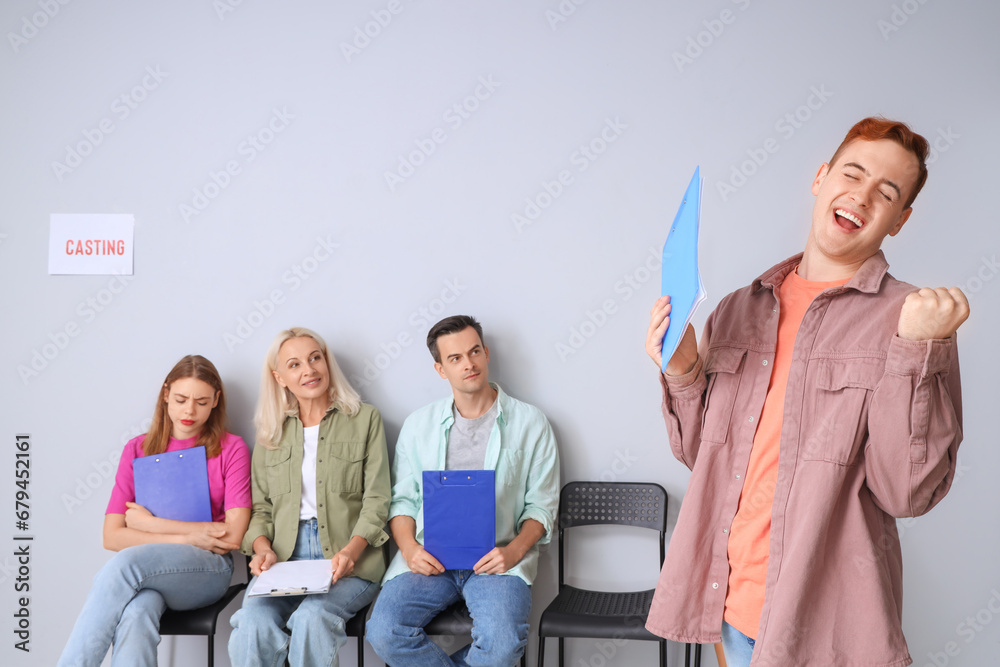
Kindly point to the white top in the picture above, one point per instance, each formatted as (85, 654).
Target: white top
(307, 508)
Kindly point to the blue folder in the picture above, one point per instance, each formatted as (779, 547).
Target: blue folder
(174, 485)
(459, 516)
(681, 278)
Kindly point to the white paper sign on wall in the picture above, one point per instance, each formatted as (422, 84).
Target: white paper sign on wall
(91, 244)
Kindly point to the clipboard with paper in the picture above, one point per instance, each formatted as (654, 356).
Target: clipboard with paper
(174, 485)
(293, 577)
(459, 516)
(681, 278)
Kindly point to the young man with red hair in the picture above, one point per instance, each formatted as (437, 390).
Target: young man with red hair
(823, 403)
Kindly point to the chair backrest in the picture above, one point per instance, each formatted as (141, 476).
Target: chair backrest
(642, 505)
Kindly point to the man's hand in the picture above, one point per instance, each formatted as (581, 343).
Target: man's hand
(262, 560)
(420, 561)
(498, 561)
(686, 354)
(933, 313)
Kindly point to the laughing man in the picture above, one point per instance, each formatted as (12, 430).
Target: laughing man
(822, 404)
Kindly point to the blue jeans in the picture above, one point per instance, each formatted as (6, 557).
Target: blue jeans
(131, 592)
(737, 646)
(316, 622)
(499, 606)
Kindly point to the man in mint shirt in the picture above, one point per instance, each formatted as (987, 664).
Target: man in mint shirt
(477, 427)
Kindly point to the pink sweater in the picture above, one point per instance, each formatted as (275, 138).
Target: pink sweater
(228, 475)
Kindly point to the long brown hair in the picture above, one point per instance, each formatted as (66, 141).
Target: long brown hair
(200, 368)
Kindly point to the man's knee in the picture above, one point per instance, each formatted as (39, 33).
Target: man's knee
(503, 645)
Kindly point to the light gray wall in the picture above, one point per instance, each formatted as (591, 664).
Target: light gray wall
(446, 231)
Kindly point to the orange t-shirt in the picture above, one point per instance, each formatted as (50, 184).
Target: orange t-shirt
(750, 532)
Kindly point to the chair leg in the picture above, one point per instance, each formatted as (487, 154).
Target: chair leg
(562, 645)
(697, 655)
(541, 651)
(361, 652)
(211, 651)
(663, 652)
(524, 659)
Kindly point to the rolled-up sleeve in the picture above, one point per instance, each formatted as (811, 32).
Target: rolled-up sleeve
(262, 514)
(541, 497)
(375, 502)
(915, 426)
(405, 484)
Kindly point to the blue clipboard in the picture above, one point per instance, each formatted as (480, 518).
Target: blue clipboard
(174, 485)
(459, 516)
(681, 278)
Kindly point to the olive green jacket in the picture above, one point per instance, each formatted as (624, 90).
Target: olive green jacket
(352, 488)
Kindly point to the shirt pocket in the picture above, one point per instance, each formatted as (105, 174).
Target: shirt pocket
(722, 372)
(345, 469)
(277, 470)
(836, 420)
(508, 472)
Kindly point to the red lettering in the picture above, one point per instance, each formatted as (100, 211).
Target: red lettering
(79, 248)
(69, 246)
(121, 247)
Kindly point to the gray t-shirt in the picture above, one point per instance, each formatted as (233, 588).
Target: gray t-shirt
(468, 438)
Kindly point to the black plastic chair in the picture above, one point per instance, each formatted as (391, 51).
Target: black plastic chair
(596, 614)
(200, 621)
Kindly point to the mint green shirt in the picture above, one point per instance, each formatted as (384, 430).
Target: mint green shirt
(521, 450)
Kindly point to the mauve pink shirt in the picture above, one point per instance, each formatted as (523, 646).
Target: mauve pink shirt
(228, 475)
(871, 429)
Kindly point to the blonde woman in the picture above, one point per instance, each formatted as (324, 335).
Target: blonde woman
(320, 491)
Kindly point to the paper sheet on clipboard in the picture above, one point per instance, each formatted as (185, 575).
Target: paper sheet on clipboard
(294, 577)
(681, 278)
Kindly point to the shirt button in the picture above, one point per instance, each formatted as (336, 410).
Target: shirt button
(764, 363)
(725, 531)
(750, 419)
(715, 584)
(737, 475)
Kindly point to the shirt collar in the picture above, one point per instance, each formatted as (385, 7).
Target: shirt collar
(446, 415)
(867, 279)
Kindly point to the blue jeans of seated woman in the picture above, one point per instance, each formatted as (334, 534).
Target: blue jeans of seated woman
(499, 605)
(737, 647)
(130, 593)
(316, 622)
